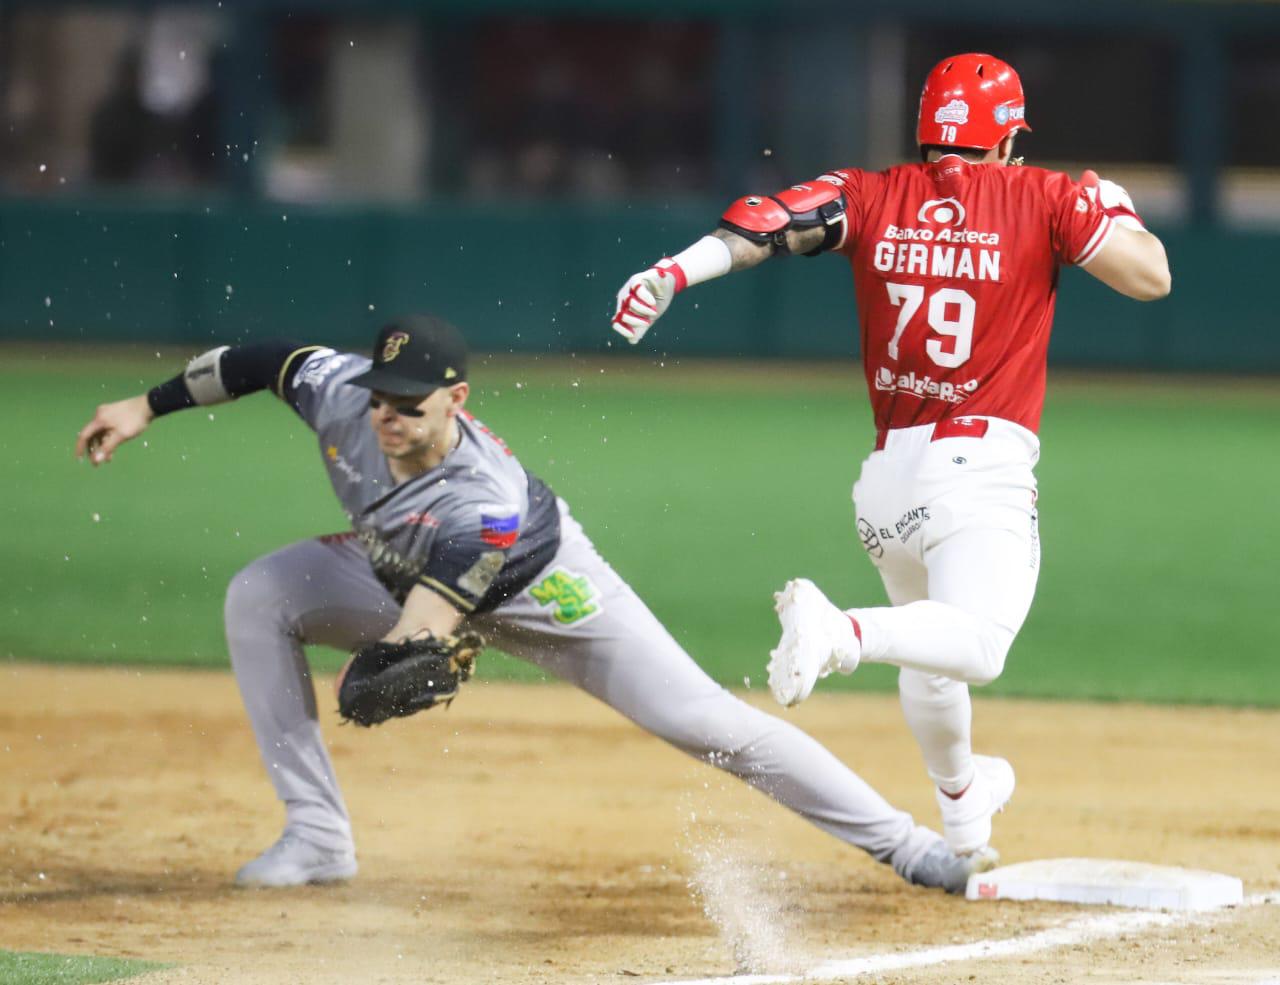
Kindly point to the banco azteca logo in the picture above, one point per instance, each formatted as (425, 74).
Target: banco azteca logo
(391, 348)
(942, 212)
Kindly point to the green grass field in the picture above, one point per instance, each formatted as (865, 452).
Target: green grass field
(707, 486)
(23, 968)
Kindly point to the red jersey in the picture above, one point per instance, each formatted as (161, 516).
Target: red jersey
(955, 267)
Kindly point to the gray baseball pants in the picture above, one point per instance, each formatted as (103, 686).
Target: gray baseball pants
(323, 591)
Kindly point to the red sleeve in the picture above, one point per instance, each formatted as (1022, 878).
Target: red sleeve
(1078, 227)
(854, 183)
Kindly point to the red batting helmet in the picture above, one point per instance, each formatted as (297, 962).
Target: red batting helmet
(970, 101)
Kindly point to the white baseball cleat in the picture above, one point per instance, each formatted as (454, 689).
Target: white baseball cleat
(966, 820)
(293, 861)
(817, 638)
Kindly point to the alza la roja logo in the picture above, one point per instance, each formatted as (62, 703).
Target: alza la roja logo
(391, 348)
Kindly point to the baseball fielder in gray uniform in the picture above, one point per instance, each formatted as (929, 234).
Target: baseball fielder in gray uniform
(450, 532)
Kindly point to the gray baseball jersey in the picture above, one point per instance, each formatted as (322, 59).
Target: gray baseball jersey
(476, 529)
(493, 539)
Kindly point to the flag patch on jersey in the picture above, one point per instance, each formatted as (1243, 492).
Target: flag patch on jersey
(499, 527)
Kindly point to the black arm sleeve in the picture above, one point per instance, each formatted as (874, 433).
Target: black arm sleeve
(169, 396)
(257, 366)
(245, 369)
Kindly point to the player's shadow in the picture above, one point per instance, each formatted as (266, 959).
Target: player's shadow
(84, 884)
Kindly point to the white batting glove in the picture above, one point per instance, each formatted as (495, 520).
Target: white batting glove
(644, 298)
(1113, 200)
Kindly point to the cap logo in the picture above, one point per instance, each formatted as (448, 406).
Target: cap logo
(450, 373)
(391, 348)
(956, 111)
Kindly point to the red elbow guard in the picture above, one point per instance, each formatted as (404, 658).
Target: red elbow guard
(800, 199)
(766, 219)
(757, 218)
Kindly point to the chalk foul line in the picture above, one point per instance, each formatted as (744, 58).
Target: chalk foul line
(1081, 930)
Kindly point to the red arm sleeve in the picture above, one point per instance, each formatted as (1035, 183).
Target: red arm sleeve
(1077, 225)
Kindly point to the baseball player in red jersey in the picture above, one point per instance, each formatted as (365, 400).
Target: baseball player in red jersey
(955, 266)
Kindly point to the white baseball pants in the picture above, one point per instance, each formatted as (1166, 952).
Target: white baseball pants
(579, 621)
(951, 525)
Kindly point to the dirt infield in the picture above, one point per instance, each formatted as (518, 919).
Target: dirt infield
(530, 835)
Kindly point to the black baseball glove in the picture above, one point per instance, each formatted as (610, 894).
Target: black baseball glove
(393, 680)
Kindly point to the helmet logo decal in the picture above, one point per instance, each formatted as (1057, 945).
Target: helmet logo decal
(391, 348)
(753, 201)
(956, 111)
(1004, 113)
(943, 211)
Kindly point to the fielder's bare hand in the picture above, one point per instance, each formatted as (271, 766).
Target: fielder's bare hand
(112, 425)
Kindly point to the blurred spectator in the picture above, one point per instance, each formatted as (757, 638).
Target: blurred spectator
(201, 131)
(357, 101)
(122, 131)
(301, 48)
(130, 142)
(559, 108)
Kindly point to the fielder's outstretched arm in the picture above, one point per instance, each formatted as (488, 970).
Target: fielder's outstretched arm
(213, 377)
(806, 219)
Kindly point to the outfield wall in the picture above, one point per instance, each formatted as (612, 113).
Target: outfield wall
(537, 278)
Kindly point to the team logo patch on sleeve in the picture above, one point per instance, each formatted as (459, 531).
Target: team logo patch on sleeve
(574, 598)
(319, 366)
(499, 526)
(480, 575)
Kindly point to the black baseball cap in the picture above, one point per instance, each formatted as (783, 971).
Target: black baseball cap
(414, 356)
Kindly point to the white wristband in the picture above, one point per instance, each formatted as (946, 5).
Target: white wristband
(706, 259)
(203, 377)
